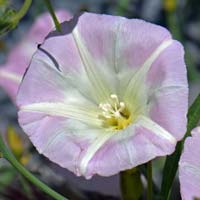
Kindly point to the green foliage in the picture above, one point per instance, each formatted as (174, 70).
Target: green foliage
(9, 17)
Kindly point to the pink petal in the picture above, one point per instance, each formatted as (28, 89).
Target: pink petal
(46, 83)
(54, 138)
(51, 139)
(39, 80)
(168, 80)
(123, 152)
(57, 139)
(130, 46)
(98, 33)
(20, 56)
(189, 167)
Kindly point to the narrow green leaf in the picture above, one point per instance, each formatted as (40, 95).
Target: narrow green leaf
(131, 184)
(193, 115)
(169, 172)
(171, 164)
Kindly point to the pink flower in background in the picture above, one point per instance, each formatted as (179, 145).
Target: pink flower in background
(12, 71)
(189, 167)
(106, 95)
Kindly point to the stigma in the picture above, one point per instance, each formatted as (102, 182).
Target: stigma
(114, 113)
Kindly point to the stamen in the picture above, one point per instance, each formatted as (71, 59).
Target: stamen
(115, 114)
(114, 97)
(112, 109)
(122, 105)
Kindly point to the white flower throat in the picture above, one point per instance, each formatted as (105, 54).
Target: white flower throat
(115, 114)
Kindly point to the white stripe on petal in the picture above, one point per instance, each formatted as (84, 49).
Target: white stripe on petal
(155, 128)
(10, 76)
(155, 54)
(52, 140)
(137, 83)
(100, 90)
(84, 114)
(137, 91)
(93, 148)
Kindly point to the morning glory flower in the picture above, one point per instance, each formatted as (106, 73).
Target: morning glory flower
(105, 95)
(12, 71)
(189, 167)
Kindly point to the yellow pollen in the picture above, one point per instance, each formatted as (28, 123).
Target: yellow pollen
(114, 114)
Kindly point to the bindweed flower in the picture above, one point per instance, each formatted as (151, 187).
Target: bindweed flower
(12, 71)
(105, 95)
(189, 167)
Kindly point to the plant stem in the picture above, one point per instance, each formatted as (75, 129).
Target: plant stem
(12, 160)
(22, 11)
(53, 15)
(131, 184)
(149, 181)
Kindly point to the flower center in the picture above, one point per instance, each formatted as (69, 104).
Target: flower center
(115, 114)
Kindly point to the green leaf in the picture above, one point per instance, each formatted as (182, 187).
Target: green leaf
(169, 172)
(171, 164)
(193, 115)
(131, 184)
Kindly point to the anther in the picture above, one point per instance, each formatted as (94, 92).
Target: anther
(115, 98)
(122, 104)
(112, 109)
(114, 113)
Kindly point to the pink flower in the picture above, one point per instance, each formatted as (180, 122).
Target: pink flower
(107, 94)
(12, 71)
(189, 167)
